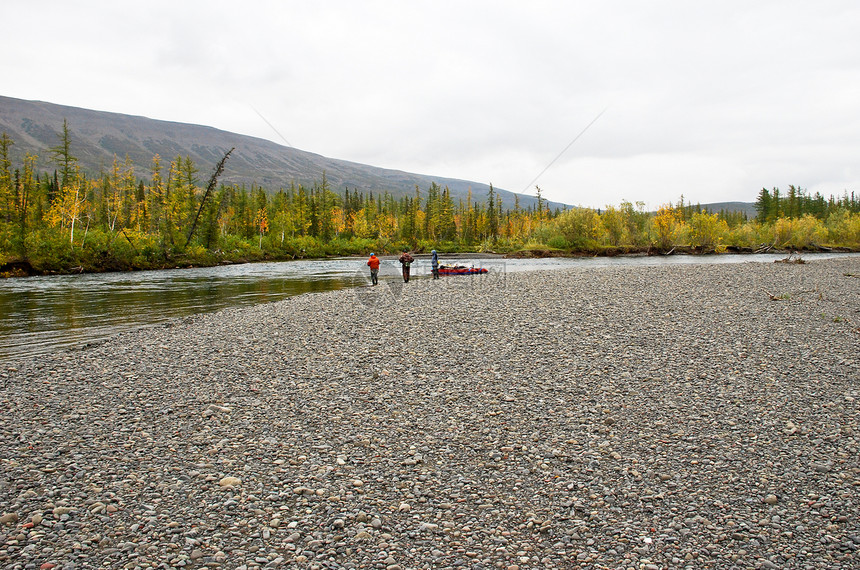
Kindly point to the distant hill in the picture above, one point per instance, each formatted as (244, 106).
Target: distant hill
(747, 208)
(97, 136)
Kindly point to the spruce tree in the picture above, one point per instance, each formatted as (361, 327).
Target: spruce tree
(62, 156)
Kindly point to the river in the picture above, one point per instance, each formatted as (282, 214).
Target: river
(39, 315)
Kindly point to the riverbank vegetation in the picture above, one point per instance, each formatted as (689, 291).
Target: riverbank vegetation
(56, 218)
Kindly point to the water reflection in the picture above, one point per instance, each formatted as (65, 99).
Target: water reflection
(42, 314)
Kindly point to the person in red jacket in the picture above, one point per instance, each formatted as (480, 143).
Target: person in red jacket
(373, 263)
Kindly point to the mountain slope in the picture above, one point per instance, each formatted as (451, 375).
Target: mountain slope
(747, 208)
(97, 136)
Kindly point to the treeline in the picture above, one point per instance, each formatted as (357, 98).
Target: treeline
(772, 205)
(67, 220)
(692, 227)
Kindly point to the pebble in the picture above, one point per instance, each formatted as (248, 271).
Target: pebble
(635, 417)
(9, 518)
(230, 482)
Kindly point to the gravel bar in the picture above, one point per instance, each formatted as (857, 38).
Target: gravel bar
(696, 416)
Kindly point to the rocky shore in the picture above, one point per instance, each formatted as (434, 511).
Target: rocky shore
(699, 416)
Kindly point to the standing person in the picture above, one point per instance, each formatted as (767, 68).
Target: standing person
(405, 261)
(373, 263)
(434, 264)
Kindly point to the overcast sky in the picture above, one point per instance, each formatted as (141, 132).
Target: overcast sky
(710, 99)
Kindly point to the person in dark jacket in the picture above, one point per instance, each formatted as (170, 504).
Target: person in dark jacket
(405, 261)
(434, 264)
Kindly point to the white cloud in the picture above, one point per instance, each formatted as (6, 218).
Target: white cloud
(713, 100)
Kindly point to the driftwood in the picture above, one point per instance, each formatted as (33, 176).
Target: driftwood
(786, 296)
(798, 259)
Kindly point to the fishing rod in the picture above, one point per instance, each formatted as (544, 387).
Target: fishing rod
(576, 138)
(277, 132)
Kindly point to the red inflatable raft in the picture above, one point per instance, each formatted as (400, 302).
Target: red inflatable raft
(460, 270)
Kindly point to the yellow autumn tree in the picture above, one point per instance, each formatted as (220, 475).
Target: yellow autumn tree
(155, 197)
(386, 225)
(261, 222)
(844, 227)
(580, 227)
(360, 226)
(665, 226)
(7, 206)
(338, 220)
(707, 230)
(613, 221)
(68, 204)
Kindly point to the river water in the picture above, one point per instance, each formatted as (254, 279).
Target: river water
(39, 315)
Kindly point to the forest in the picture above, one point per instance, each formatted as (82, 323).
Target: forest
(54, 218)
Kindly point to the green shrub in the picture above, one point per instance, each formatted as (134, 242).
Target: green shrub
(50, 250)
(151, 251)
(234, 246)
(843, 228)
(751, 234)
(707, 230)
(558, 242)
(580, 227)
